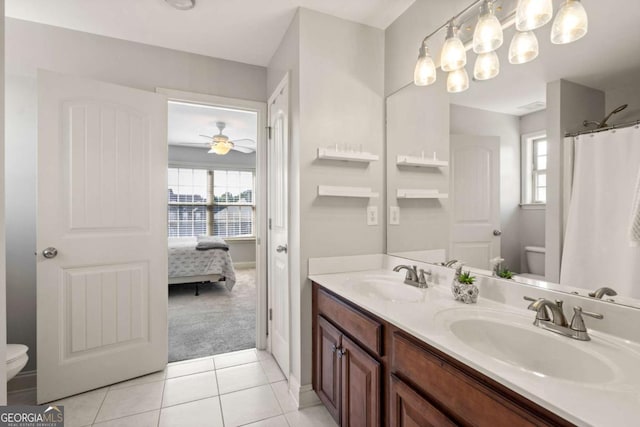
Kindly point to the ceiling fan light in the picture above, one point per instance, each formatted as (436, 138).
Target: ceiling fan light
(571, 23)
(425, 71)
(453, 55)
(221, 148)
(182, 4)
(488, 35)
(523, 48)
(457, 81)
(487, 66)
(532, 14)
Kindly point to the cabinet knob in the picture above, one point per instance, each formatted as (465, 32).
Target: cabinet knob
(341, 352)
(333, 348)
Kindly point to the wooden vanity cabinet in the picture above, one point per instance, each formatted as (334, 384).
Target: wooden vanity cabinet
(368, 373)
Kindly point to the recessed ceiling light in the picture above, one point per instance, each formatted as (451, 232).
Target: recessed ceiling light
(182, 4)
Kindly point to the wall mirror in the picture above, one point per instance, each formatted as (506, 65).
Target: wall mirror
(489, 172)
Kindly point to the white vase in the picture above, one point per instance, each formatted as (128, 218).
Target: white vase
(465, 292)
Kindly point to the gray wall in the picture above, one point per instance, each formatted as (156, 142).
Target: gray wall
(629, 94)
(472, 121)
(3, 288)
(30, 46)
(241, 250)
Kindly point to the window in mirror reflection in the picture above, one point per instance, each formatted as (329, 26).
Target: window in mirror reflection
(534, 169)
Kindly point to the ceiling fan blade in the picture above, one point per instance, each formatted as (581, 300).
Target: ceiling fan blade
(245, 150)
(245, 142)
(207, 136)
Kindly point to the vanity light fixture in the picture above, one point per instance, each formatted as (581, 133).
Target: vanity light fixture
(487, 36)
(523, 47)
(182, 4)
(453, 55)
(458, 81)
(487, 66)
(425, 72)
(532, 14)
(571, 23)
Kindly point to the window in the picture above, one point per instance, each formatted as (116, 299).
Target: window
(216, 203)
(534, 169)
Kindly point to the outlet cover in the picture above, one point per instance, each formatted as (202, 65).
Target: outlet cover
(394, 215)
(372, 215)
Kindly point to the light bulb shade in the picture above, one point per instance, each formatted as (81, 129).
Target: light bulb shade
(487, 66)
(532, 14)
(571, 23)
(221, 148)
(454, 55)
(487, 36)
(458, 81)
(425, 71)
(523, 47)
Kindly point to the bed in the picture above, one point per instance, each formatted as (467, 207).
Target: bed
(189, 265)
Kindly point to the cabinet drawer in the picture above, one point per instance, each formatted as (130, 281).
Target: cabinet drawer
(359, 326)
(464, 394)
(408, 408)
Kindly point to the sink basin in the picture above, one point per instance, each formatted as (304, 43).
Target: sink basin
(506, 338)
(387, 290)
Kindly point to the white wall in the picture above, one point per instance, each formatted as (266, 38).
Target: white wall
(629, 94)
(3, 283)
(472, 121)
(30, 46)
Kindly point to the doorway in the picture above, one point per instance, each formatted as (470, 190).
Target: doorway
(215, 208)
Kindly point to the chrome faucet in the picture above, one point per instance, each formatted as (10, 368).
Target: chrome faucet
(449, 263)
(414, 277)
(601, 292)
(558, 322)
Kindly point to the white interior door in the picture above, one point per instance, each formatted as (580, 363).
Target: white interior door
(102, 299)
(475, 188)
(278, 226)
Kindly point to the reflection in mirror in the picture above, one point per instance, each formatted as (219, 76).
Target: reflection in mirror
(488, 177)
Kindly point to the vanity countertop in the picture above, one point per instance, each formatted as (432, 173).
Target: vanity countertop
(597, 398)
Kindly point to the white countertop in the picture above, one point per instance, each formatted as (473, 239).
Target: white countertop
(614, 402)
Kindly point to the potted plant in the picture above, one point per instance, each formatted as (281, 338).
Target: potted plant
(505, 273)
(464, 289)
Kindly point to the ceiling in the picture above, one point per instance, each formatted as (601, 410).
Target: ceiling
(188, 121)
(246, 31)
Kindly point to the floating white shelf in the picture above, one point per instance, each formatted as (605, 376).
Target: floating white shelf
(420, 194)
(421, 162)
(327, 190)
(329, 154)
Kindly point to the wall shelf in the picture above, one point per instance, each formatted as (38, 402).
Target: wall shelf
(363, 192)
(421, 162)
(420, 194)
(330, 154)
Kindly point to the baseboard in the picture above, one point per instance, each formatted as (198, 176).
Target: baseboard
(303, 395)
(244, 265)
(25, 380)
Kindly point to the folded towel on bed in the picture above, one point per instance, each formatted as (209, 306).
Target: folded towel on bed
(211, 242)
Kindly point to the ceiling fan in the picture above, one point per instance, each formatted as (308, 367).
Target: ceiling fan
(221, 144)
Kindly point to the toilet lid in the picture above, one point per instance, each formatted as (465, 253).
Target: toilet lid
(15, 351)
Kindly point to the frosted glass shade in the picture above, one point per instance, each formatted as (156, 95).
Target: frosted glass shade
(425, 71)
(453, 55)
(523, 47)
(457, 81)
(532, 14)
(487, 66)
(571, 23)
(487, 36)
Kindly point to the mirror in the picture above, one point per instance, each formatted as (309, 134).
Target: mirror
(487, 173)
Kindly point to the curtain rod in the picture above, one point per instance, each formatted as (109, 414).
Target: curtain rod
(612, 127)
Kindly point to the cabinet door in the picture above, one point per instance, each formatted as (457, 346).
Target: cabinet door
(327, 367)
(409, 409)
(360, 386)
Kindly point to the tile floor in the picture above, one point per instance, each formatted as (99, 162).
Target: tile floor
(244, 388)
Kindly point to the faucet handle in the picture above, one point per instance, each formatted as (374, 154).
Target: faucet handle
(421, 278)
(577, 323)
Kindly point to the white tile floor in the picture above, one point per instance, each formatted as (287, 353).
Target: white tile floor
(244, 388)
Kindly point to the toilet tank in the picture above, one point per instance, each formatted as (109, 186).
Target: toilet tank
(535, 259)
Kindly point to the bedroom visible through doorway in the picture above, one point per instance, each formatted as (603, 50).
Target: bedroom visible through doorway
(212, 227)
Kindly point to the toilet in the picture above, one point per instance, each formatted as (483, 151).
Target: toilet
(535, 262)
(17, 358)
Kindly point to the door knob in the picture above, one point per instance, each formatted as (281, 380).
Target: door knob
(497, 232)
(281, 248)
(50, 252)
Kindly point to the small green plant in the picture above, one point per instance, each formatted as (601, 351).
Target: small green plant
(466, 278)
(505, 273)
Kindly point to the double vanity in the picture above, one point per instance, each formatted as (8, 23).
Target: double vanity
(386, 353)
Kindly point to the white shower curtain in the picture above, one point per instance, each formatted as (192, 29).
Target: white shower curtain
(598, 249)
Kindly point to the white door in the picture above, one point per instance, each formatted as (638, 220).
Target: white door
(102, 299)
(278, 225)
(475, 188)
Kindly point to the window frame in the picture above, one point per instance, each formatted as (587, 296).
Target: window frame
(529, 172)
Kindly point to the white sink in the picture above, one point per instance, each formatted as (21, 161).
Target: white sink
(385, 288)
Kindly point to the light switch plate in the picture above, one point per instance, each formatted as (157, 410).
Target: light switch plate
(372, 215)
(394, 215)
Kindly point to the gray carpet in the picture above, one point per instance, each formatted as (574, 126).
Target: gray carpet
(217, 321)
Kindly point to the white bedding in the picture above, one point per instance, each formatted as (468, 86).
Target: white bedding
(186, 261)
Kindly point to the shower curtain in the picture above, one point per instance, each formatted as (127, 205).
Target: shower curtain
(598, 246)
